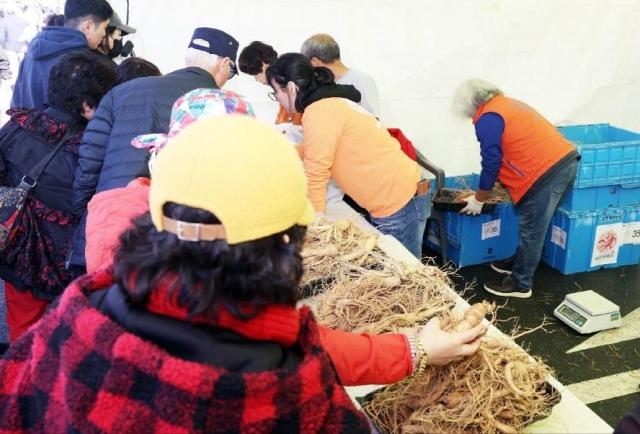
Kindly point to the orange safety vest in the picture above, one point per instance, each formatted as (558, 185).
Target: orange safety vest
(531, 145)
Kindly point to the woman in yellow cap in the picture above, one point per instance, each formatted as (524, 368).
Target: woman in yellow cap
(196, 329)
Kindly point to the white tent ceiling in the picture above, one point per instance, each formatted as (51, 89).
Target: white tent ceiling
(576, 61)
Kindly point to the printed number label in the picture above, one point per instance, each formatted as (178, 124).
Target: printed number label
(632, 233)
(491, 229)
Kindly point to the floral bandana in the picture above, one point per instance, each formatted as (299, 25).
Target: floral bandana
(189, 108)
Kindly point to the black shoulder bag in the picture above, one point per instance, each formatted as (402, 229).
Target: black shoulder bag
(12, 199)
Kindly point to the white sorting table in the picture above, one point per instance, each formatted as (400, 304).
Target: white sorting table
(568, 416)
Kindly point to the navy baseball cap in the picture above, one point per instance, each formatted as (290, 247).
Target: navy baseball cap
(214, 41)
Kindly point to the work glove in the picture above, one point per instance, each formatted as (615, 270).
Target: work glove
(474, 206)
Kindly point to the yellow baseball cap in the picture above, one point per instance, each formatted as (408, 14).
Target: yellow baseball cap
(237, 168)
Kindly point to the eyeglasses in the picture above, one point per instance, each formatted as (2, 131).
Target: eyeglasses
(233, 70)
(273, 95)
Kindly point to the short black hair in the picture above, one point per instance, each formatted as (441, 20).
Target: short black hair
(76, 10)
(135, 67)
(254, 55)
(55, 20)
(78, 77)
(244, 278)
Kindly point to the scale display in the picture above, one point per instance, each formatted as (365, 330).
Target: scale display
(572, 315)
(569, 313)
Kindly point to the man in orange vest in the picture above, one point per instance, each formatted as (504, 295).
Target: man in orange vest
(533, 161)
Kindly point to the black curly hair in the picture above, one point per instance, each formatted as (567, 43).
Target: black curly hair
(244, 278)
(254, 55)
(79, 77)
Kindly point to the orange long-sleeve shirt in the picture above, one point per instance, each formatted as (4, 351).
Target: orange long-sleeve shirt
(359, 358)
(344, 142)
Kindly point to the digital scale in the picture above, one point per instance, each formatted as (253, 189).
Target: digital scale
(588, 312)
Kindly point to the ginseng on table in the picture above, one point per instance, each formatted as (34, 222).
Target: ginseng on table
(568, 416)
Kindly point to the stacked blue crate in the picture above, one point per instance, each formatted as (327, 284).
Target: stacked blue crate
(479, 239)
(609, 173)
(598, 218)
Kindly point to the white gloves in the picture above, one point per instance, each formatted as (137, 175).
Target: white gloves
(474, 206)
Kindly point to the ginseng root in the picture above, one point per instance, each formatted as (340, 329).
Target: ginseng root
(474, 315)
(329, 250)
(508, 376)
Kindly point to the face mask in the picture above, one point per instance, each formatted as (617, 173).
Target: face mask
(116, 50)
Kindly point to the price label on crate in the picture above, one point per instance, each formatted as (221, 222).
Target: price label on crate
(559, 237)
(632, 233)
(491, 229)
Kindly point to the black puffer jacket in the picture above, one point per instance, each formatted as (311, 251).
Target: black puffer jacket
(107, 160)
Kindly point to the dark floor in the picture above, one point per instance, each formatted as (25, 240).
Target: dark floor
(621, 286)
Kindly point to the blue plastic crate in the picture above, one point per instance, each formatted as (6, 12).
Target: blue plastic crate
(591, 198)
(610, 155)
(476, 239)
(592, 240)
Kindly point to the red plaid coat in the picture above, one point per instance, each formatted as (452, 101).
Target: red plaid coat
(78, 371)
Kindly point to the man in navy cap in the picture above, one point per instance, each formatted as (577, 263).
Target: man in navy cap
(141, 106)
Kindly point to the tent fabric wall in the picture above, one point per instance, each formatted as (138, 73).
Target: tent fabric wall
(576, 61)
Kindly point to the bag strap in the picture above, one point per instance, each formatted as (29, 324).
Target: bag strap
(30, 179)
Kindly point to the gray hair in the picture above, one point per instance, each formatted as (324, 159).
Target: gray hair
(471, 94)
(201, 59)
(321, 46)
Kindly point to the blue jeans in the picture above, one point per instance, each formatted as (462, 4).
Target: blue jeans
(407, 225)
(535, 212)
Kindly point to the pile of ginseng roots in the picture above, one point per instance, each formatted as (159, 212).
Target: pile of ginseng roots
(498, 389)
(498, 194)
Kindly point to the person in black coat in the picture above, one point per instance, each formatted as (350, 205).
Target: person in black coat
(107, 159)
(32, 264)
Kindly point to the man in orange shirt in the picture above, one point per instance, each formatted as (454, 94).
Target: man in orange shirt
(535, 163)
